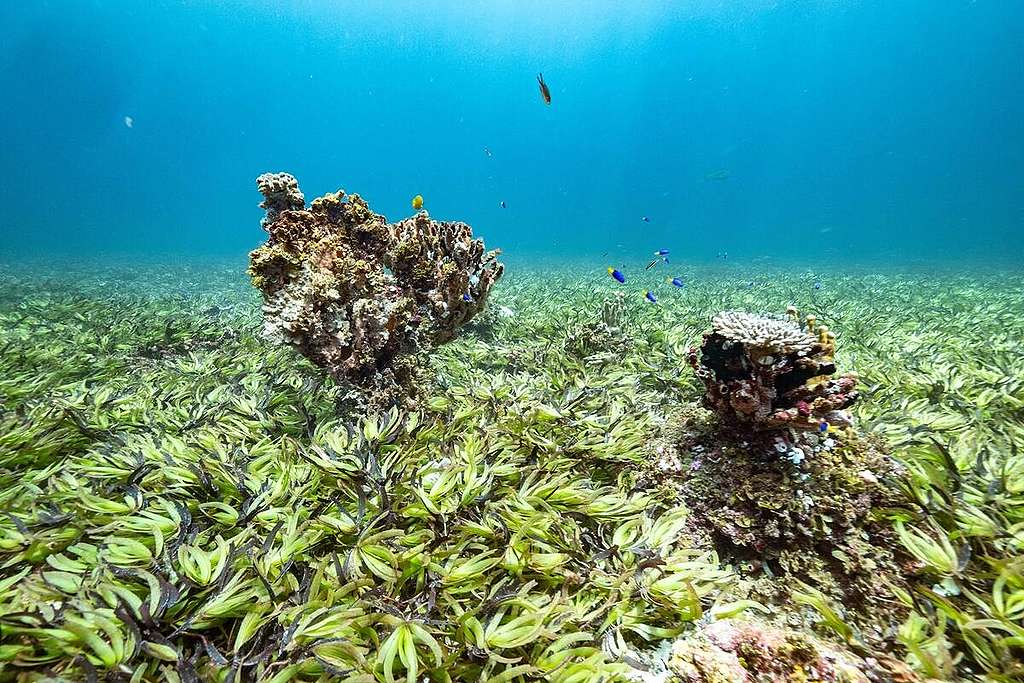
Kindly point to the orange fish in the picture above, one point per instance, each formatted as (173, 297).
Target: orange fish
(544, 92)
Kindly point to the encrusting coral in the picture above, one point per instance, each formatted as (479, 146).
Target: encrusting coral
(361, 297)
(768, 372)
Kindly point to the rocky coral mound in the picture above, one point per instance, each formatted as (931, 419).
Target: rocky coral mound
(736, 651)
(359, 296)
(771, 372)
(785, 505)
(776, 477)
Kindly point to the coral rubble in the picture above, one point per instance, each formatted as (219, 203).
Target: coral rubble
(359, 296)
(741, 651)
(768, 372)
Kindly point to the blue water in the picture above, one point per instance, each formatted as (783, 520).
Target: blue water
(883, 130)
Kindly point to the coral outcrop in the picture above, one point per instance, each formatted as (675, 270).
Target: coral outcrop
(766, 372)
(776, 477)
(361, 297)
(792, 504)
(739, 651)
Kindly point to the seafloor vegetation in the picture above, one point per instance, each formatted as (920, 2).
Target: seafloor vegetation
(182, 501)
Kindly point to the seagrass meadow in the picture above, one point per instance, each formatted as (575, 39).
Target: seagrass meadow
(184, 501)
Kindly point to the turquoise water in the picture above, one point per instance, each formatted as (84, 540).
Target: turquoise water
(319, 477)
(860, 131)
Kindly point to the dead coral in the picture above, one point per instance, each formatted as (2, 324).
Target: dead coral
(281, 193)
(444, 268)
(739, 651)
(767, 372)
(361, 297)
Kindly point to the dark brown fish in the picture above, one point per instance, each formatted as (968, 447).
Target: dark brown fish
(544, 92)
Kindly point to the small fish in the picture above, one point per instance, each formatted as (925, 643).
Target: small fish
(544, 92)
(417, 202)
(823, 427)
(129, 121)
(650, 297)
(467, 297)
(645, 219)
(721, 174)
(677, 281)
(617, 275)
(817, 285)
(502, 204)
(750, 284)
(661, 252)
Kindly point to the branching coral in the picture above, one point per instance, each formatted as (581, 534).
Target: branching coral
(361, 297)
(767, 372)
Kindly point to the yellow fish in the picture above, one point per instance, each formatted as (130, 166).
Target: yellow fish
(417, 202)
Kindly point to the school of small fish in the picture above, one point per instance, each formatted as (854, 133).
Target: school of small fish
(660, 256)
